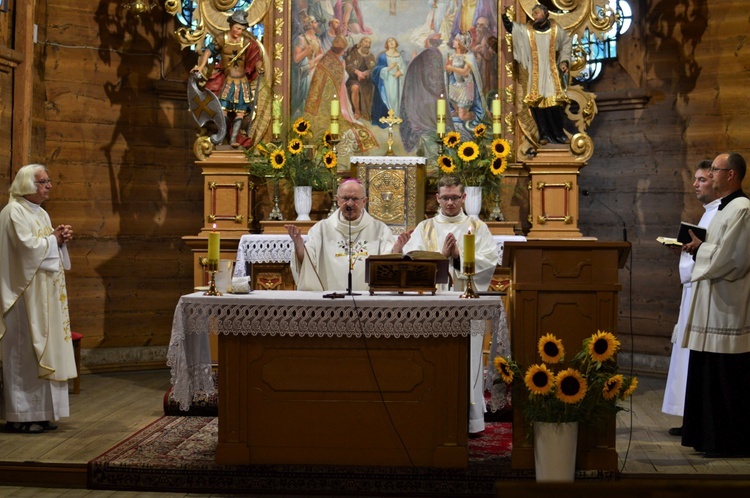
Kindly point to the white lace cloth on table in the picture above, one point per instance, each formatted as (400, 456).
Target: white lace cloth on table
(256, 248)
(387, 160)
(276, 313)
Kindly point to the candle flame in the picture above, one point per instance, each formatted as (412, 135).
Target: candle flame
(214, 227)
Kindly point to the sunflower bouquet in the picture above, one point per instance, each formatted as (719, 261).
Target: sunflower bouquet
(587, 390)
(479, 162)
(301, 160)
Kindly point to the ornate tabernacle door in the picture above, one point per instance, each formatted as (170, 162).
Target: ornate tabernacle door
(395, 187)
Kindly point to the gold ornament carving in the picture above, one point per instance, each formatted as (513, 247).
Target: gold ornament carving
(278, 76)
(202, 148)
(278, 51)
(279, 5)
(278, 27)
(386, 195)
(582, 147)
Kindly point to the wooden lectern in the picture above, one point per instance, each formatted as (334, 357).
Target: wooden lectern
(567, 288)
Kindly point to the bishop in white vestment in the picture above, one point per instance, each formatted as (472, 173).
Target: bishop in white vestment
(37, 350)
(338, 243)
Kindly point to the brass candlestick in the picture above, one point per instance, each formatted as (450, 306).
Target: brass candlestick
(439, 141)
(469, 271)
(212, 267)
(333, 141)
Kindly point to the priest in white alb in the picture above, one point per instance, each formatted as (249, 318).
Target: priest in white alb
(35, 339)
(444, 233)
(340, 242)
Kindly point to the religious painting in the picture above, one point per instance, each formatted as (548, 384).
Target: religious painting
(377, 56)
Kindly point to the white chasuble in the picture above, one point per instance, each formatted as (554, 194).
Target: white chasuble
(328, 252)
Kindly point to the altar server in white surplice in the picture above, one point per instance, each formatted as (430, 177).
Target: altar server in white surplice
(674, 391)
(322, 263)
(444, 234)
(37, 350)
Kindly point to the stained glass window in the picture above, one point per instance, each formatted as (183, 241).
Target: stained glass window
(599, 50)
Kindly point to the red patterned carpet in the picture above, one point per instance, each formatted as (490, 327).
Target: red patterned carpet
(177, 454)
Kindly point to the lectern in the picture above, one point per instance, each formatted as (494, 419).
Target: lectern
(567, 288)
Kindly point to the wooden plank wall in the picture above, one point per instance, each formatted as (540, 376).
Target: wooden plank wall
(120, 151)
(690, 63)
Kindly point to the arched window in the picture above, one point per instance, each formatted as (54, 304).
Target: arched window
(598, 50)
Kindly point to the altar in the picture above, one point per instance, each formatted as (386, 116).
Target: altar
(366, 380)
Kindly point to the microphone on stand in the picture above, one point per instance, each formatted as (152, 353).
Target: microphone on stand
(587, 193)
(349, 292)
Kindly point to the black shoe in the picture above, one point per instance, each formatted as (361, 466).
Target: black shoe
(47, 425)
(476, 435)
(24, 427)
(675, 431)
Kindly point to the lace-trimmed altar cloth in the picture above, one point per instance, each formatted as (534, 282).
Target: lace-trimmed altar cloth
(387, 160)
(308, 314)
(259, 248)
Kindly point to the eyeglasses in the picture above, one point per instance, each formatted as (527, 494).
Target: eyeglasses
(719, 169)
(453, 198)
(346, 200)
(44, 182)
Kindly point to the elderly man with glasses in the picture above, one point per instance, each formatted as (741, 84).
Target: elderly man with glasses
(35, 338)
(444, 233)
(718, 325)
(340, 242)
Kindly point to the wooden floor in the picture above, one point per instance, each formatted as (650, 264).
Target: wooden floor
(111, 407)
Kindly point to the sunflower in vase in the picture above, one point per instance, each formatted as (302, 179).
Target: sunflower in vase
(588, 390)
(301, 161)
(479, 162)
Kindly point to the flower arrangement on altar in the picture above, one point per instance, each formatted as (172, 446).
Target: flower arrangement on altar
(479, 162)
(301, 160)
(586, 391)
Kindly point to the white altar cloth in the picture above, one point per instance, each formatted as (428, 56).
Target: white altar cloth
(308, 314)
(260, 248)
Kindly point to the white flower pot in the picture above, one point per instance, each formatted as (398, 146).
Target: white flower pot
(473, 204)
(303, 202)
(555, 451)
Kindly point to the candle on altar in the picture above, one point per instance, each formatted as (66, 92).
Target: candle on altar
(469, 253)
(276, 127)
(335, 107)
(441, 115)
(334, 127)
(276, 108)
(496, 125)
(214, 241)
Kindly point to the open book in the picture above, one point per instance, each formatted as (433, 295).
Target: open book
(683, 237)
(411, 256)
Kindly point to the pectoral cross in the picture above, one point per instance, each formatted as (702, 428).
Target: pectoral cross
(391, 120)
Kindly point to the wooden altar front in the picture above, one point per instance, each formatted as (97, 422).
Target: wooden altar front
(567, 288)
(308, 380)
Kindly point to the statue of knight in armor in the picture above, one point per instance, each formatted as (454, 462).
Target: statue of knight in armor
(239, 67)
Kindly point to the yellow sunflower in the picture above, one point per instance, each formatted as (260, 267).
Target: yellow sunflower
(480, 130)
(295, 146)
(468, 151)
(260, 148)
(278, 159)
(446, 164)
(603, 346)
(498, 166)
(452, 139)
(500, 147)
(327, 138)
(551, 349)
(330, 160)
(571, 386)
(612, 387)
(539, 379)
(301, 127)
(503, 368)
(631, 388)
